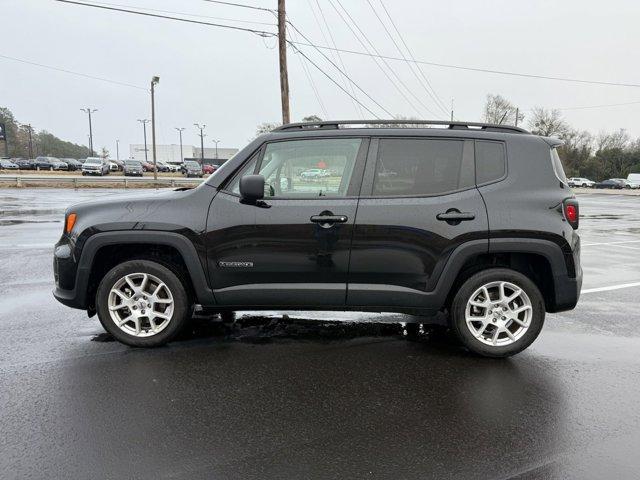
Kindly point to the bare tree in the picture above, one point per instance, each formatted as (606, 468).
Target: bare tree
(501, 111)
(548, 123)
(266, 127)
(616, 140)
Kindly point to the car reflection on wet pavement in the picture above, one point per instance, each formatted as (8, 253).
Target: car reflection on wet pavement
(316, 394)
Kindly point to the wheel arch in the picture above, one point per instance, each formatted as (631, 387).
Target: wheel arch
(104, 250)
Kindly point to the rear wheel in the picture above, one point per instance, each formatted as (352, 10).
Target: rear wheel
(498, 312)
(142, 303)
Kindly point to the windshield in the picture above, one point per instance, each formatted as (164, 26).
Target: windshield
(132, 163)
(192, 164)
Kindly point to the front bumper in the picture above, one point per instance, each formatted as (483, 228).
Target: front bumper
(65, 271)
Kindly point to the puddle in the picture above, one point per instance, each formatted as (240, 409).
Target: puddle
(258, 329)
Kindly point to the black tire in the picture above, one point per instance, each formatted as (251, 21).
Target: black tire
(476, 281)
(181, 306)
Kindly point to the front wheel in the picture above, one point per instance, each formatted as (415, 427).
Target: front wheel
(142, 303)
(497, 312)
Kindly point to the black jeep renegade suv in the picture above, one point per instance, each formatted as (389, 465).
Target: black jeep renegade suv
(472, 219)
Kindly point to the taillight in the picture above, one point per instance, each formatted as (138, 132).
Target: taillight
(572, 212)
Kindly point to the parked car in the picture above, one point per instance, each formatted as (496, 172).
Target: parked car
(132, 168)
(95, 166)
(113, 166)
(315, 173)
(72, 164)
(634, 179)
(162, 167)
(50, 163)
(173, 167)
(25, 164)
(192, 169)
(8, 165)
(209, 169)
(626, 183)
(147, 166)
(610, 184)
(581, 182)
(252, 239)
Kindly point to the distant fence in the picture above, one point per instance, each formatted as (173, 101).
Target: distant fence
(75, 182)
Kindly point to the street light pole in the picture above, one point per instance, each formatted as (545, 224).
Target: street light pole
(216, 142)
(30, 129)
(154, 81)
(118, 150)
(180, 129)
(202, 135)
(89, 111)
(144, 128)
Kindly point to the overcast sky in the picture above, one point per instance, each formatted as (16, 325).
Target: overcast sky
(229, 79)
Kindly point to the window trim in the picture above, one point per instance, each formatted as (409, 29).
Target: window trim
(366, 191)
(506, 161)
(356, 176)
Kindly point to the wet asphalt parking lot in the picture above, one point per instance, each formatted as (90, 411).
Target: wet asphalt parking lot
(304, 396)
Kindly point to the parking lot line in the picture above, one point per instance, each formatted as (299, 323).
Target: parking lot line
(612, 287)
(610, 243)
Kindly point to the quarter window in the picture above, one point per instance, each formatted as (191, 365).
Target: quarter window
(490, 161)
(420, 167)
(309, 168)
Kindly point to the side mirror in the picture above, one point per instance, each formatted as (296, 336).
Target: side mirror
(252, 188)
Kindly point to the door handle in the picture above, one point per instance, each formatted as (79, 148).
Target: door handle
(329, 219)
(453, 216)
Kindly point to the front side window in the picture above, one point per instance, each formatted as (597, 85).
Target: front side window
(309, 168)
(420, 167)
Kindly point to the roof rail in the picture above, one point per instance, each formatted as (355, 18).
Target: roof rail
(335, 124)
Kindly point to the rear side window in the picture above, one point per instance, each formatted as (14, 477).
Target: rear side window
(557, 166)
(491, 161)
(420, 167)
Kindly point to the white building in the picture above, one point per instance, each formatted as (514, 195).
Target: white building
(171, 153)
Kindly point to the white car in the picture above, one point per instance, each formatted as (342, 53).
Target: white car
(634, 180)
(581, 182)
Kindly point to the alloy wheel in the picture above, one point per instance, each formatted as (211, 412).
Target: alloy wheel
(498, 313)
(140, 304)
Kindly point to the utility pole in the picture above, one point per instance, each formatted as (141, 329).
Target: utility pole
(144, 128)
(180, 129)
(452, 109)
(282, 53)
(202, 135)
(30, 130)
(216, 142)
(89, 111)
(517, 115)
(154, 81)
(118, 150)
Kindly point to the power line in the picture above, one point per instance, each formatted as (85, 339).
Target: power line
(241, 5)
(585, 107)
(186, 20)
(339, 70)
(332, 80)
(429, 88)
(58, 69)
(305, 69)
(333, 42)
(184, 13)
(410, 65)
(477, 69)
(364, 35)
